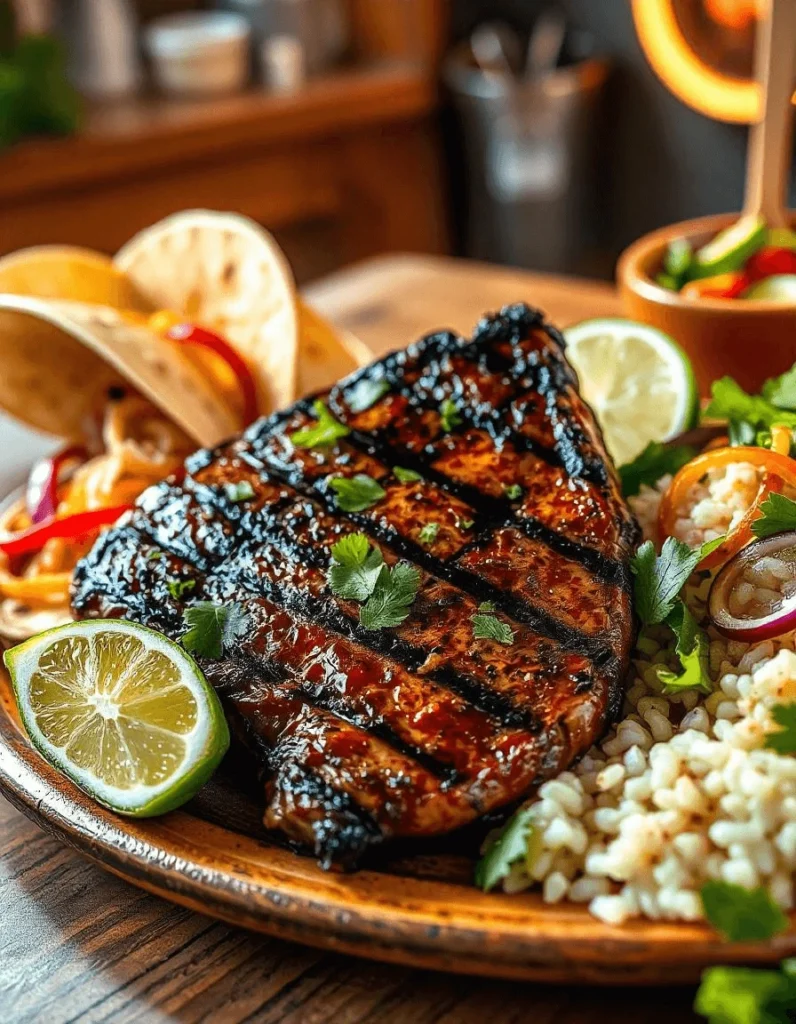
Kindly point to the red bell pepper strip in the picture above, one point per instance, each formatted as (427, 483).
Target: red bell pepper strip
(769, 260)
(81, 524)
(41, 496)
(190, 334)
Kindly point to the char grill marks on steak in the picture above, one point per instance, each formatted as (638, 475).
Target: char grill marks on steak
(418, 729)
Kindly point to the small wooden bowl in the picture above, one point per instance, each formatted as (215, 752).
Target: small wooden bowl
(749, 341)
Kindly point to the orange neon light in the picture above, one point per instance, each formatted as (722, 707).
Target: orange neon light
(703, 88)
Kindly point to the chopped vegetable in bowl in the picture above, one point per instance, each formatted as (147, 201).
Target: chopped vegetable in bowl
(744, 261)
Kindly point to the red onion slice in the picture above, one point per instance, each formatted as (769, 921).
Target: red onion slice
(754, 595)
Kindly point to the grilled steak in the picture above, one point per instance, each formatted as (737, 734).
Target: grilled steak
(366, 734)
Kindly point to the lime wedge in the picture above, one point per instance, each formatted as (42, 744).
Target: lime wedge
(122, 711)
(636, 379)
(776, 288)
(730, 249)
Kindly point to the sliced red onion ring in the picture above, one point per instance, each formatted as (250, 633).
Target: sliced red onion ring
(766, 612)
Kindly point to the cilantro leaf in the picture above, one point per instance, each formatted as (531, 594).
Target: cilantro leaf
(487, 626)
(692, 648)
(365, 393)
(660, 578)
(392, 596)
(428, 534)
(240, 491)
(730, 402)
(355, 568)
(465, 524)
(784, 739)
(513, 492)
(154, 556)
(406, 476)
(742, 995)
(213, 628)
(740, 432)
(741, 915)
(778, 515)
(326, 431)
(509, 847)
(449, 415)
(351, 550)
(781, 391)
(178, 588)
(650, 465)
(356, 493)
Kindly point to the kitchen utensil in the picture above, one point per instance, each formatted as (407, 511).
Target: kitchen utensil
(199, 52)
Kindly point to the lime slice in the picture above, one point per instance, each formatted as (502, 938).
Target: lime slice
(123, 712)
(730, 249)
(636, 379)
(777, 288)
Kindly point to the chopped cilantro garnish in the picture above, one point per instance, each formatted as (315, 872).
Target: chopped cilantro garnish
(781, 391)
(449, 415)
(742, 915)
(487, 626)
(355, 567)
(743, 995)
(660, 578)
(508, 848)
(213, 628)
(154, 556)
(366, 393)
(513, 492)
(465, 524)
(730, 402)
(778, 516)
(784, 739)
(406, 476)
(692, 648)
(356, 493)
(429, 533)
(650, 465)
(392, 597)
(178, 588)
(326, 431)
(242, 490)
(358, 573)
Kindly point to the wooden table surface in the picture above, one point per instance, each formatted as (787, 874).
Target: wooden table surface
(79, 945)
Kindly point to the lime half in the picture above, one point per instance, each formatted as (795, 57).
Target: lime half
(122, 711)
(636, 379)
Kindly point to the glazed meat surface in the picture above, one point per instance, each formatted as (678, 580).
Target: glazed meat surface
(418, 729)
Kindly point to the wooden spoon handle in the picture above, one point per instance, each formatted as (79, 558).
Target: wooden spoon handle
(768, 159)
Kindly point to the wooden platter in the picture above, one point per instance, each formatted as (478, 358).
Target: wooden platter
(417, 908)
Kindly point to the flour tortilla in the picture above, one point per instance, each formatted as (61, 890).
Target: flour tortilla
(224, 272)
(59, 359)
(326, 353)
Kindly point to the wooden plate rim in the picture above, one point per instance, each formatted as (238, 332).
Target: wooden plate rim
(380, 916)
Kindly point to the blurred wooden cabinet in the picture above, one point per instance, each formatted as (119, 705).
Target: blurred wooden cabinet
(345, 168)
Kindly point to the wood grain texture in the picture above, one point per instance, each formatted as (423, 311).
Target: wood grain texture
(77, 944)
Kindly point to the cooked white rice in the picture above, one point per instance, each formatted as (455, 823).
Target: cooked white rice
(681, 790)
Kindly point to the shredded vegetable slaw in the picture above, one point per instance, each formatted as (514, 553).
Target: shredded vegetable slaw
(139, 446)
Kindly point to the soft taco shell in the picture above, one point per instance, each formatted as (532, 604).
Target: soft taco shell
(226, 273)
(69, 272)
(326, 353)
(60, 358)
